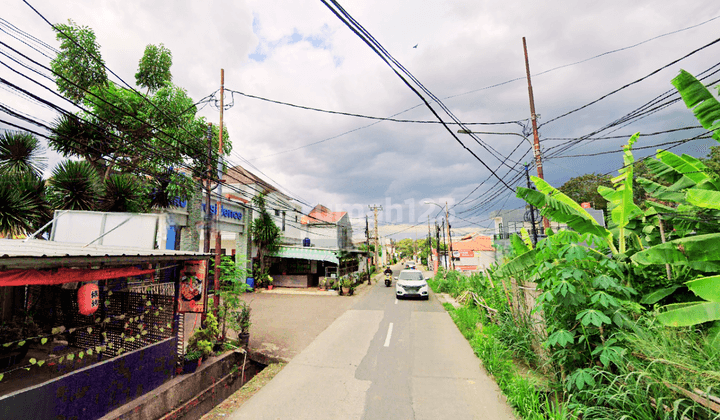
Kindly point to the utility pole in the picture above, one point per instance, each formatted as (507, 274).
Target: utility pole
(208, 220)
(437, 243)
(218, 238)
(532, 208)
(447, 264)
(375, 211)
(367, 246)
(451, 265)
(429, 243)
(533, 118)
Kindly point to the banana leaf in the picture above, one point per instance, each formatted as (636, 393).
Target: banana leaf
(622, 207)
(703, 198)
(661, 192)
(662, 170)
(518, 245)
(556, 206)
(686, 165)
(696, 96)
(690, 251)
(526, 237)
(658, 295)
(707, 288)
(518, 264)
(686, 314)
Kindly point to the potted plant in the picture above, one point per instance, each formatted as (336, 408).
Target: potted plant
(192, 360)
(242, 320)
(204, 339)
(322, 283)
(269, 282)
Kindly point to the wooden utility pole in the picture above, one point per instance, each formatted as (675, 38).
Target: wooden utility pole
(451, 265)
(218, 205)
(377, 241)
(533, 118)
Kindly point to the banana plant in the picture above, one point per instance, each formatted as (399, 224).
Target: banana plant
(697, 97)
(622, 207)
(693, 313)
(557, 206)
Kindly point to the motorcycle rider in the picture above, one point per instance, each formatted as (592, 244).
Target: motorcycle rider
(388, 271)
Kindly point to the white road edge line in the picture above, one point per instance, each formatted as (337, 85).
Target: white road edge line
(389, 334)
(396, 301)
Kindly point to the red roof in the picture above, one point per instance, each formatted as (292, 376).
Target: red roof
(322, 214)
(477, 243)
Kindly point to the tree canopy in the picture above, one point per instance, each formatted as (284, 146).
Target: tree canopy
(584, 189)
(123, 131)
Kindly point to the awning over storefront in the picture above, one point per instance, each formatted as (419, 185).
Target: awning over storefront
(304, 253)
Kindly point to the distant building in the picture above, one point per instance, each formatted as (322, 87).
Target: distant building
(473, 253)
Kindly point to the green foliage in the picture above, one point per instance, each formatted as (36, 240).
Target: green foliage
(154, 68)
(266, 235)
(696, 96)
(74, 185)
(203, 339)
(78, 65)
(555, 205)
(584, 188)
(122, 130)
(20, 153)
(124, 193)
(233, 312)
(622, 206)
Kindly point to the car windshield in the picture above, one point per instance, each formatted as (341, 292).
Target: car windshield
(410, 275)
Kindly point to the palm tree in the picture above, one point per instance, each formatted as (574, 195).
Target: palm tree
(265, 234)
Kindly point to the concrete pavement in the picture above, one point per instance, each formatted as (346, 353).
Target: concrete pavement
(382, 359)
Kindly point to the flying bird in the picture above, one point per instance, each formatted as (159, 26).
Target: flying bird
(415, 45)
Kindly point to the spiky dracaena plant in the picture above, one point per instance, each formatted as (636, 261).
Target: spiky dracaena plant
(20, 152)
(74, 186)
(123, 193)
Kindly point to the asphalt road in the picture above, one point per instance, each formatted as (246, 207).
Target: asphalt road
(382, 359)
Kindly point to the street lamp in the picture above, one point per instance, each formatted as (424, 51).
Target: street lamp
(451, 266)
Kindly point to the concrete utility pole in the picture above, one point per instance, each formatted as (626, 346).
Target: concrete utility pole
(367, 246)
(218, 239)
(532, 208)
(447, 264)
(377, 241)
(533, 118)
(208, 220)
(451, 264)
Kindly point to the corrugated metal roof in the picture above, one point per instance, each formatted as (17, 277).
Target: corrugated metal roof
(35, 253)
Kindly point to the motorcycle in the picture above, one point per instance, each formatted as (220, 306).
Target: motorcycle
(388, 279)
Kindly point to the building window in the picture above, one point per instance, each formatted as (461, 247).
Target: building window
(277, 212)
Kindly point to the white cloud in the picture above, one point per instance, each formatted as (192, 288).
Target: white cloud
(308, 57)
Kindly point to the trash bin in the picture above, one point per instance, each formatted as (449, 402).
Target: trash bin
(250, 282)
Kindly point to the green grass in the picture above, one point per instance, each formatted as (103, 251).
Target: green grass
(522, 393)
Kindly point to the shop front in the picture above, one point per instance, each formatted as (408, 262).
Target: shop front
(302, 266)
(86, 328)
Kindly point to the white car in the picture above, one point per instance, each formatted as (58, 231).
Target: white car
(411, 283)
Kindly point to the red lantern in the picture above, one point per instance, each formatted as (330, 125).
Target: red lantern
(88, 299)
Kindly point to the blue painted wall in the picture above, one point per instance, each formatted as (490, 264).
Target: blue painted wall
(96, 390)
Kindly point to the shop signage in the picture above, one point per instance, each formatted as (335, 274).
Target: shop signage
(227, 212)
(193, 286)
